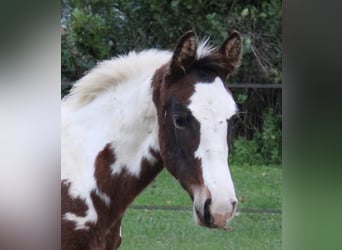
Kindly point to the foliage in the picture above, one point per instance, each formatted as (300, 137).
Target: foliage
(270, 139)
(261, 25)
(245, 152)
(264, 147)
(88, 35)
(100, 29)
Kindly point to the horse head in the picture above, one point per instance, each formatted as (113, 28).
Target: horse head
(193, 109)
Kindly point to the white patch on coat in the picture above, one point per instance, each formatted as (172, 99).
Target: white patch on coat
(104, 197)
(80, 221)
(212, 105)
(111, 104)
(124, 115)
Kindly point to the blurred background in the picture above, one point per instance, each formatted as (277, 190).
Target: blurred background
(30, 91)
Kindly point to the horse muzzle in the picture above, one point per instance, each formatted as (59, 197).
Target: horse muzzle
(213, 214)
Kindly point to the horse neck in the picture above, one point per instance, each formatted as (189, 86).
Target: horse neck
(122, 188)
(131, 160)
(119, 129)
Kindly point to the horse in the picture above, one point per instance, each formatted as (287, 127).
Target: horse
(135, 114)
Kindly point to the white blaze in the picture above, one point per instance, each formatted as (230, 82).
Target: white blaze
(212, 105)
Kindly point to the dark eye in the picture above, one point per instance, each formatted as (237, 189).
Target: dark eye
(180, 122)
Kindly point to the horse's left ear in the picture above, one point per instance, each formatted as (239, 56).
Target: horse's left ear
(232, 50)
(185, 52)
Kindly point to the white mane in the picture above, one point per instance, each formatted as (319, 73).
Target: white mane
(109, 73)
(204, 48)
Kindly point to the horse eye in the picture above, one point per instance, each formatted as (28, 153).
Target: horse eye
(179, 121)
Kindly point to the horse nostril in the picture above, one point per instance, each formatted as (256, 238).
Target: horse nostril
(234, 205)
(208, 219)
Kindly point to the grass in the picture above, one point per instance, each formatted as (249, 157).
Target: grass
(256, 187)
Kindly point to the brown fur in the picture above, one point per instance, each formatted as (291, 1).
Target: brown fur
(232, 50)
(72, 239)
(105, 233)
(187, 170)
(185, 52)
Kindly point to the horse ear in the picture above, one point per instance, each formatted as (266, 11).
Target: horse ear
(184, 53)
(231, 49)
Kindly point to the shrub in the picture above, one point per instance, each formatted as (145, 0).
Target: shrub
(265, 147)
(270, 139)
(245, 152)
(100, 29)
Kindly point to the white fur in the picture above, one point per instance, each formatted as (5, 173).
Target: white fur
(123, 115)
(104, 197)
(107, 74)
(204, 49)
(212, 105)
(112, 104)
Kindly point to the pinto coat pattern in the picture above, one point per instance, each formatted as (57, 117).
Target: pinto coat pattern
(131, 116)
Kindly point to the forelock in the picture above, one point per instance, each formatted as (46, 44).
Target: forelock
(204, 49)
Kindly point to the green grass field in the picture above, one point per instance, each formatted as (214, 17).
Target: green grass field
(256, 187)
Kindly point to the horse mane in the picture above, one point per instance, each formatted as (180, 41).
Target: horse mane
(109, 73)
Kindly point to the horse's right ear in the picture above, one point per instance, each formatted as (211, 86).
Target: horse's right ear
(185, 52)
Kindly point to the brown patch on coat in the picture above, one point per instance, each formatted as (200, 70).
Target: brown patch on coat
(71, 239)
(121, 189)
(69, 204)
(177, 147)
